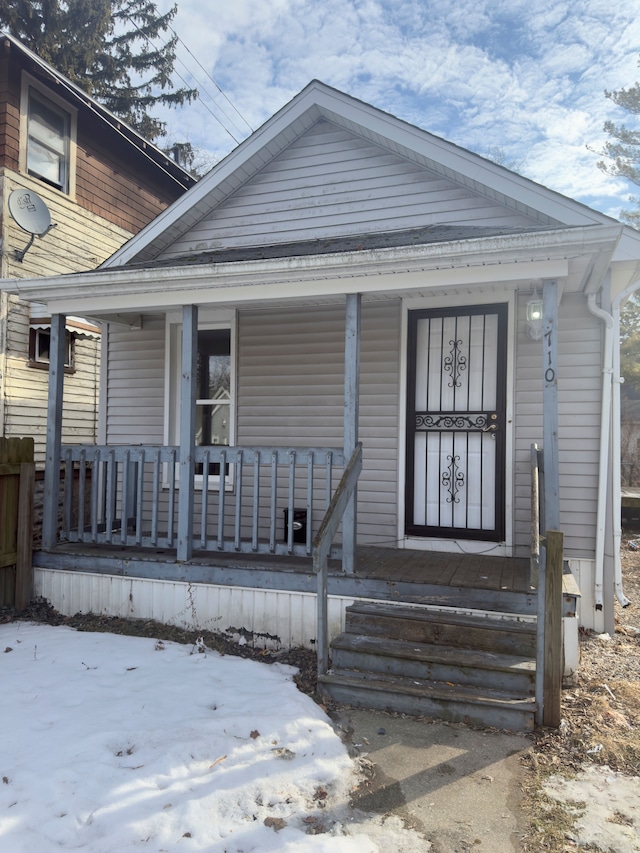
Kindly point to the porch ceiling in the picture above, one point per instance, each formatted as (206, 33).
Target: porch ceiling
(577, 257)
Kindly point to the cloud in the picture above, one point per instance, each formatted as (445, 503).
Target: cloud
(526, 76)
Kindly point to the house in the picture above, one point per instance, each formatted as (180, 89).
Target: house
(99, 182)
(382, 308)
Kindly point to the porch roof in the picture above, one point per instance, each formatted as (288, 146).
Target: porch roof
(428, 235)
(380, 266)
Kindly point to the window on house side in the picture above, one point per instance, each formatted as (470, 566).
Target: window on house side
(40, 348)
(48, 142)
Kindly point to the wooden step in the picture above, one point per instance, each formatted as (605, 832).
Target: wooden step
(422, 625)
(384, 656)
(463, 667)
(417, 697)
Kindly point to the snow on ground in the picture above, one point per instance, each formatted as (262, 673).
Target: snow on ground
(606, 806)
(113, 743)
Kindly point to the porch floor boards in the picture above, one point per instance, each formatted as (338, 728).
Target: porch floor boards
(476, 571)
(389, 565)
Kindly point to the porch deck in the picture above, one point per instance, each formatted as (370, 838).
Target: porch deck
(475, 581)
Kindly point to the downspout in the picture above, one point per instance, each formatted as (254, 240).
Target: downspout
(605, 425)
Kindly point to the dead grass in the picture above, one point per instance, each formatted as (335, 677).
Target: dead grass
(600, 723)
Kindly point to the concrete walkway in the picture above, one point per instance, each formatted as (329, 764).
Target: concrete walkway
(458, 788)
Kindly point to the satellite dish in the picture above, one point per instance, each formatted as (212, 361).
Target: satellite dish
(31, 213)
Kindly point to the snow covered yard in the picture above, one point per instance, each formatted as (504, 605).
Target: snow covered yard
(114, 743)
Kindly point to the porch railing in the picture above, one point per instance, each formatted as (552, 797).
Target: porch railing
(266, 500)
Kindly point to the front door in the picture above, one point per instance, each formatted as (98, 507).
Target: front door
(456, 423)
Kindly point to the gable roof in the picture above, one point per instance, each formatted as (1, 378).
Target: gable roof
(82, 101)
(492, 183)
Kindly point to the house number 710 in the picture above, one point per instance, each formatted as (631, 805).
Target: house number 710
(550, 372)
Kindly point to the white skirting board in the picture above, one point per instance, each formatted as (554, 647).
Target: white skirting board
(265, 618)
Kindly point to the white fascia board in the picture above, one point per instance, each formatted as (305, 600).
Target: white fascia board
(206, 291)
(628, 249)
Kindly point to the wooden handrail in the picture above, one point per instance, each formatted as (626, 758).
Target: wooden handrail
(322, 547)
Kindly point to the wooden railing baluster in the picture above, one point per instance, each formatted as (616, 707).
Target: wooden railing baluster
(256, 500)
(221, 500)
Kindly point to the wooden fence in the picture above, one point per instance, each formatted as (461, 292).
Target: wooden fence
(17, 477)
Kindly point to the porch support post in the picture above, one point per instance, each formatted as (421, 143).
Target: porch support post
(57, 351)
(550, 405)
(551, 518)
(187, 430)
(351, 414)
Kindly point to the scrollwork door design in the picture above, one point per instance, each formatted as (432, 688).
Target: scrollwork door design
(456, 422)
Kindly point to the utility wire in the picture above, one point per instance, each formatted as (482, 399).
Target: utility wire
(206, 106)
(224, 95)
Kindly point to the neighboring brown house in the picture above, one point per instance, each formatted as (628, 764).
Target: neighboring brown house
(101, 183)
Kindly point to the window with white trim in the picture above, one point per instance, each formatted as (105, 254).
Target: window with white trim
(48, 129)
(215, 392)
(48, 142)
(40, 348)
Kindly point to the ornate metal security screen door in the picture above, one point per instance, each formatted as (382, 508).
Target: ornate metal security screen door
(456, 423)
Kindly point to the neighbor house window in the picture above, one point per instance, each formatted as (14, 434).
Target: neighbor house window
(48, 141)
(48, 130)
(40, 348)
(214, 393)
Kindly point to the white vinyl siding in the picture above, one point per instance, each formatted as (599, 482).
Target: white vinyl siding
(273, 618)
(136, 383)
(331, 183)
(579, 395)
(291, 387)
(290, 392)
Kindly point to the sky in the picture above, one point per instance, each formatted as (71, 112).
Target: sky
(525, 77)
(114, 743)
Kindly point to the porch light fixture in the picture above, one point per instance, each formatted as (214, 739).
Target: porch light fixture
(534, 317)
